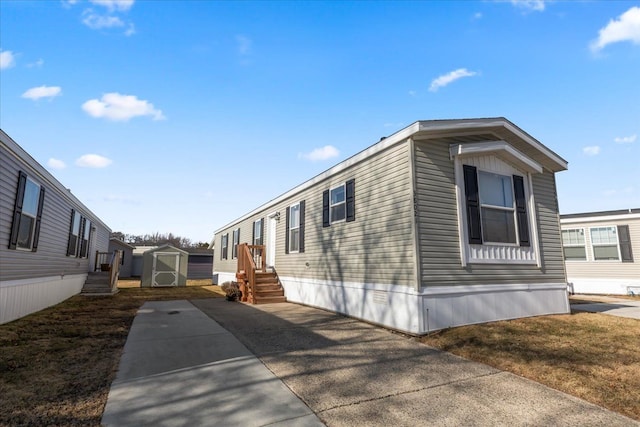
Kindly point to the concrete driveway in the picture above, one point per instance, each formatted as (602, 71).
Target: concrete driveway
(613, 306)
(351, 373)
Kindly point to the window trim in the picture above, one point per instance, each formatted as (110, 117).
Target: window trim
(76, 248)
(349, 203)
(467, 256)
(235, 243)
(18, 213)
(584, 245)
(333, 205)
(258, 239)
(224, 246)
(291, 229)
(594, 245)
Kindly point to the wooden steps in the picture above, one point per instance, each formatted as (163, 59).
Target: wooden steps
(97, 284)
(268, 289)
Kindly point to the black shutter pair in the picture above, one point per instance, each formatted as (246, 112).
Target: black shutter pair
(300, 230)
(625, 243)
(17, 214)
(474, 224)
(350, 203)
(73, 241)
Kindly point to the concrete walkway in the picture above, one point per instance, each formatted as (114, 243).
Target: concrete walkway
(608, 305)
(180, 368)
(349, 373)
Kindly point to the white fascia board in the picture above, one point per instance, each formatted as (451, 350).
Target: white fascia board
(477, 124)
(499, 148)
(45, 176)
(382, 145)
(607, 218)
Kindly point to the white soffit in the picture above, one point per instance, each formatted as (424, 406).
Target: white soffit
(499, 149)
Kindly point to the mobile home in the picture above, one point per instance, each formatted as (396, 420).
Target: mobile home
(48, 237)
(443, 223)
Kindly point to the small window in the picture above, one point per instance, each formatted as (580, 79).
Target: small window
(605, 243)
(257, 232)
(74, 233)
(84, 246)
(337, 205)
(27, 214)
(497, 209)
(236, 240)
(573, 245)
(224, 243)
(294, 228)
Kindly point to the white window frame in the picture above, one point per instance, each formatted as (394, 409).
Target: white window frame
(501, 153)
(236, 242)
(511, 209)
(76, 221)
(343, 202)
(594, 245)
(224, 246)
(33, 217)
(257, 236)
(296, 228)
(575, 245)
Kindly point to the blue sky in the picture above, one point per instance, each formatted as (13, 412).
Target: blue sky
(166, 116)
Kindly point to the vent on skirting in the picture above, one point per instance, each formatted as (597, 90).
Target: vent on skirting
(380, 297)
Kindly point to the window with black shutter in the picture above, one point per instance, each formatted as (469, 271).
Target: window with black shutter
(27, 214)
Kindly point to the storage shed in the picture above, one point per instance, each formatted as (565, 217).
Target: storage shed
(164, 266)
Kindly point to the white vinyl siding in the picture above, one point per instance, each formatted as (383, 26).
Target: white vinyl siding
(438, 227)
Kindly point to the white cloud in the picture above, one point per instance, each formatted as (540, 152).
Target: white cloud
(244, 44)
(7, 59)
(476, 16)
(131, 30)
(625, 28)
(68, 3)
(56, 164)
(121, 199)
(591, 151)
(535, 5)
(93, 161)
(36, 93)
(413, 93)
(117, 107)
(96, 21)
(625, 191)
(318, 154)
(38, 64)
(626, 139)
(120, 5)
(451, 77)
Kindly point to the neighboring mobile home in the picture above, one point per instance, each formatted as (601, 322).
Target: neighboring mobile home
(444, 223)
(601, 251)
(48, 237)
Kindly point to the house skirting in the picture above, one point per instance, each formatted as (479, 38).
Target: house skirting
(604, 286)
(434, 308)
(219, 277)
(19, 298)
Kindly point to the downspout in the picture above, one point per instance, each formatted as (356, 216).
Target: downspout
(415, 229)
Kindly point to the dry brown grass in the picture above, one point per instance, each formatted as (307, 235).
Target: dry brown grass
(56, 366)
(592, 356)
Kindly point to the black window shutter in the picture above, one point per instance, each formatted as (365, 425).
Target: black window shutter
(625, 243)
(36, 233)
(301, 233)
(521, 211)
(253, 235)
(325, 209)
(351, 200)
(261, 230)
(286, 236)
(17, 210)
(473, 204)
(226, 249)
(73, 215)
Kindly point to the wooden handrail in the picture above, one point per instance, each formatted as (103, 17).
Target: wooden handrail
(247, 256)
(114, 270)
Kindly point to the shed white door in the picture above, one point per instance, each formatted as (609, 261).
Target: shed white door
(165, 269)
(271, 241)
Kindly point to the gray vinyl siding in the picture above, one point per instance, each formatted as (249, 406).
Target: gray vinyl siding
(592, 269)
(378, 247)
(50, 258)
(438, 226)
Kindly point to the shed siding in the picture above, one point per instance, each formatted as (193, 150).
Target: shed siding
(375, 248)
(592, 269)
(441, 263)
(50, 259)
